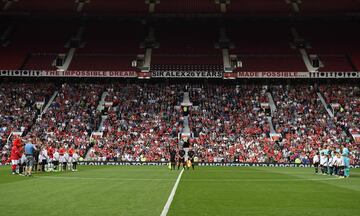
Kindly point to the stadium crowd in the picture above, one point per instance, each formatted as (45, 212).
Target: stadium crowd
(20, 105)
(142, 122)
(230, 123)
(345, 103)
(71, 117)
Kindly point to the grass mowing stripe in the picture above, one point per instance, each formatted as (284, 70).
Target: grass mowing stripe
(297, 195)
(342, 183)
(172, 194)
(112, 179)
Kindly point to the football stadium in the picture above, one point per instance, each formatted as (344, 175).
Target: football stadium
(180, 107)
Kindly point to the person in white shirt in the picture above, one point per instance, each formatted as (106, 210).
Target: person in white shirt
(336, 160)
(64, 161)
(56, 160)
(323, 163)
(75, 159)
(316, 162)
(43, 159)
(22, 164)
(330, 165)
(341, 164)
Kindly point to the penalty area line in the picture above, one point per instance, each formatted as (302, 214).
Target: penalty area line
(171, 196)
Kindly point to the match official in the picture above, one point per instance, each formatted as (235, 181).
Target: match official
(181, 158)
(172, 159)
(191, 155)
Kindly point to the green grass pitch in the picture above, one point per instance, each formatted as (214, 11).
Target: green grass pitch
(144, 190)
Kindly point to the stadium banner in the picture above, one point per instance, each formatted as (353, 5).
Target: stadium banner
(118, 163)
(272, 74)
(297, 75)
(187, 74)
(182, 74)
(336, 75)
(54, 73)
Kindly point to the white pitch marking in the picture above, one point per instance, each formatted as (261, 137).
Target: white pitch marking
(172, 194)
(189, 180)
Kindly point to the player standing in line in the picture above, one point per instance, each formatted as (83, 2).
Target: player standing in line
(66, 162)
(62, 160)
(345, 153)
(324, 150)
(56, 160)
(75, 159)
(330, 165)
(341, 165)
(15, 155)
(191, 155)
(70, 158)
(43, 159)
(50, 154)
(316, 162)
(336, 164)
(181, 158)
(347, 167)
(323, 163)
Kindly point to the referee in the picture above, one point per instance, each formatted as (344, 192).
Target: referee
(181, 158)
(191, 155)
(172, 159)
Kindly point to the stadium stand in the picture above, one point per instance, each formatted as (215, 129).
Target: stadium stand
(69, 118)
(33, 6)
(271, 63)
(302, 120)
(184, 50)
(355, 58)
(141, 7)
(344, 101)
(336, 63)
(187, 6)
(262, 6)
(112, 7)
(140, 120)
(28, 51)
(101, 46)
(223, 119)
(226, 131)
(229, 122)
(21, 103)
(328, 7)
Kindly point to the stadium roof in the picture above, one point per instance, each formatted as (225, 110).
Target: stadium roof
(181, 7)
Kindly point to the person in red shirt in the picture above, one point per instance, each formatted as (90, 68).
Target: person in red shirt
(62, 159)
(50, 154)
(71, 152)
(15, 155)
